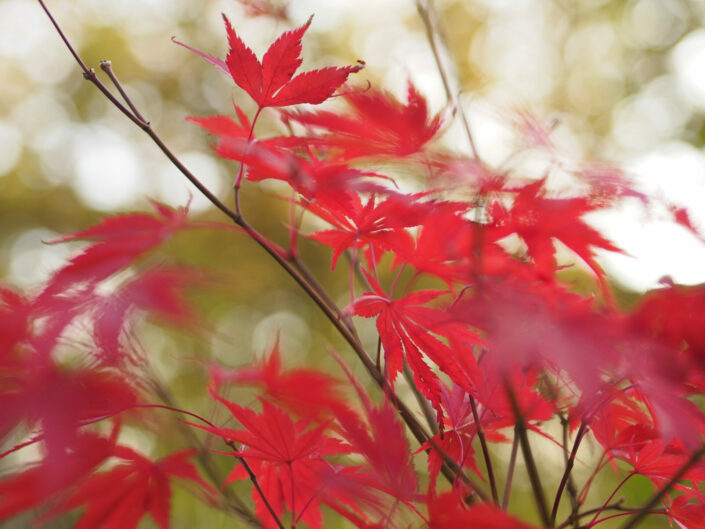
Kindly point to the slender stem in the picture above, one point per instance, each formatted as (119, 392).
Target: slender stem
(294, 518)
(485, 449)
(241, 169)
(378, 360)
(521, 431)
(616, 506)
(422, 401)
(646, 508)
(435, 38)
(569, 463)
(510, 470)
(608, 500)
(640, 513)
(255, 482)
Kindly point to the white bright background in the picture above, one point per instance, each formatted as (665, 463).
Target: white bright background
(523, 53)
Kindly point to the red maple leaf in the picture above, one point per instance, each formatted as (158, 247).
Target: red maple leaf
(60, 401)
(448, 511)
(377, 226)
(225, 125)
(158, 291)
(271, 83)
(688, 514)
(406, 330)
(313, 178)
(282, 454)
(120, 497)
(119, 241)
(30, 488)
(309, 393)
(379, 124)
(538, 220)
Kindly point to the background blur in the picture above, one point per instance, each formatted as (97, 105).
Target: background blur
(619, 81)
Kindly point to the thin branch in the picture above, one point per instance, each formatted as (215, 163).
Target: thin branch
(569, 463)
(485, 449)
(521, 431)
(420, 399)
(255, 482)
(107, 67)
(435, 38)
(510, 470)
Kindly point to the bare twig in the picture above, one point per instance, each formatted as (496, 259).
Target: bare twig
(435, 38)
(532, 470)
(565, 480)
(485, 449)
(510, 470)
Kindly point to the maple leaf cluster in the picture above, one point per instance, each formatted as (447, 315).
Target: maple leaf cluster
(493, 343)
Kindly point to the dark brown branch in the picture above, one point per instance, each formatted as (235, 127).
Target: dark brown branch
(510, 470)
(485, 449)
(255, 482)
(532, 470)
(569, 463)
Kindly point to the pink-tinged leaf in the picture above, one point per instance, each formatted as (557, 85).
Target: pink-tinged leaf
(682, 217)
(313, 87)
(215, 61)
(31, 488)
(158, 291)
(119, 241)
(61, 401)
(258, 8)
(119, 498)
(225, 125)
(15, 312)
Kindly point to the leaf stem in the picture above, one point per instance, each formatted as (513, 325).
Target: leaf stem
(485, 449)
(569, 463)
(436, 39)
(521, 431)
(510, 470)
(255, 482)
